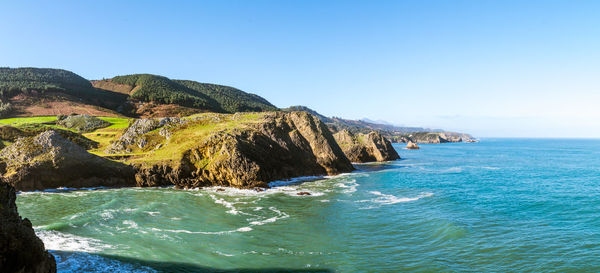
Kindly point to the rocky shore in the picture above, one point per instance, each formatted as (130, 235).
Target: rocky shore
(244, 150)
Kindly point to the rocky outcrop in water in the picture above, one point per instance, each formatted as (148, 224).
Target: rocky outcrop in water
(48, 160)
(412, 146)
(249, 153)
(20, 249)
(369, 147)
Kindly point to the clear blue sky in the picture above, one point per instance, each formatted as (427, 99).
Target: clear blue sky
(491, 68)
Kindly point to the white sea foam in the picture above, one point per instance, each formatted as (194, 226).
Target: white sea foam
(130, 223)
(348, 187)
(223, 254)
(280, 215)
(242, 229)
(388, 199)
(452, 170)
(152, 213)
(229, 205)
(107, 214)
(56, 240)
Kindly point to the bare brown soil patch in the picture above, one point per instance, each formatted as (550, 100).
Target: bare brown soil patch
(108, 85)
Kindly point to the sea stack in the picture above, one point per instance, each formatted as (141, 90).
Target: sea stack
(412, 146)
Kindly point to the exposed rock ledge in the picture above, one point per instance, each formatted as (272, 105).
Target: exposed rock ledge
(366, 147)
(50, 161)
(20, 249)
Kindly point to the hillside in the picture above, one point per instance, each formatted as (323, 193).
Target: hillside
(45, 91)
(161, 90)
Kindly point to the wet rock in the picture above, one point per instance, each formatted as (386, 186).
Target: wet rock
(303, 193)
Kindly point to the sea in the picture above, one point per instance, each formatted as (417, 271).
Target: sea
(500, 205)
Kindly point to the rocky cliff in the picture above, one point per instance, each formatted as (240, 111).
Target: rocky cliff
(49, 160)
(243, 150)
(240, 150)
(20, 249)
(366, 147)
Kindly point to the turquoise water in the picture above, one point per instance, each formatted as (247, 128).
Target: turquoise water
(499, 205)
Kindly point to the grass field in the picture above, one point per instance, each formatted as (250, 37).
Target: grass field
(27, 120)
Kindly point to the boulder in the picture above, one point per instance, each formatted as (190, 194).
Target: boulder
(48, 160)
(369, 147)
(82, 123)
(20, 249)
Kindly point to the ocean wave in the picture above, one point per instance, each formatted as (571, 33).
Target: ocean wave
(242, 229)
(280, 215)
(56, 240)
(223, 254)
(130, 224)
(388, 199)
(349, 186)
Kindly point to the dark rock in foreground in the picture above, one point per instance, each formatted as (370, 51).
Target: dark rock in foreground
(50, 161)
(20, 249)
(369, 147)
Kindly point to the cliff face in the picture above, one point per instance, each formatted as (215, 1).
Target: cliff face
(245, 152)
(20, 249)
(50, 161)
(366, 147)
